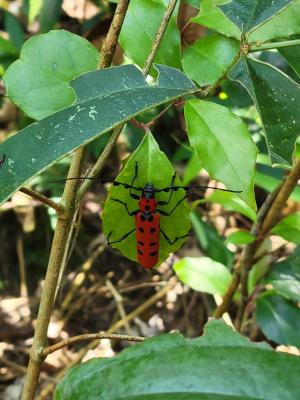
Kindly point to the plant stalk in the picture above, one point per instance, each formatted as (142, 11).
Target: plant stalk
(272, 45)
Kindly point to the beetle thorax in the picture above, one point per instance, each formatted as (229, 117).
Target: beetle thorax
(147, 201)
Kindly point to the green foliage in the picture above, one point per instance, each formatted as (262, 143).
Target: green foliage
(289, 228)
(248, 16)
(279, 319)
(208, 58)
(277, 98)
(292, 54)
(98, 93)
(139, 30)
(240, 237)
(154, 167)
(224, 146)
(39, 81)
(203, 274)
(171, 367)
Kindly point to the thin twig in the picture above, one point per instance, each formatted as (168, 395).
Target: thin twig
(159, 36)
(43, 199)
(90, 336)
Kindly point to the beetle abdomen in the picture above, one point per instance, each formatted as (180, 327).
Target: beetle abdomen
(147, 238)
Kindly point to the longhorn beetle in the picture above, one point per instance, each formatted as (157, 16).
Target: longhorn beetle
(147, 217)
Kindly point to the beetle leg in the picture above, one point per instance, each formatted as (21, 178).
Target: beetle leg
(119, 240)
(130, 213)
(168, 213)
(169, 189)
(170, 241)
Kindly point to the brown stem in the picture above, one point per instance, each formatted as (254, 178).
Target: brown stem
(43, 199)
(90, 336)
(61, 235)
(267, 217)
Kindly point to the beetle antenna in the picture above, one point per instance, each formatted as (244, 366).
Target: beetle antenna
(196, 187)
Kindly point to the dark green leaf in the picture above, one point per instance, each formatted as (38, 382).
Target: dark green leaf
(208, 58)
(292, 55)
(240, 237)
(49, 15)
(39, 81)
(14, 29)
(279, 320)
(140, 28)
(249, 15)
(223, 145)
(211, 243)
(277, 98)
(203, 274)
(289, 228)
(154, 167)
(169, 367)
(104, 100)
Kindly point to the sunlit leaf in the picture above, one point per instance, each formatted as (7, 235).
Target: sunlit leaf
(203, 274)
(240, 237)
(223, 145)
(104, 99)
(140, 28)
(39, 81)
(208, 58)
(289, 228)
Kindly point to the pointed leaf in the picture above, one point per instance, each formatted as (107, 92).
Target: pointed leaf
(277, 98)
(224, 146)
(208, 58)
(203, 274)
(39, 81)
(170, 367)
(249, 15)
(154, 167)
(289, 228)
(292, 54)
(140, 28)
(104, 99)
(279, 320)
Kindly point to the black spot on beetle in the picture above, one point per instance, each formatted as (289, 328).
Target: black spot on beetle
(140, 252)
(152, 230)
(152, 244)
(141, 229)
(153, 254)
(147, 207)
(140, 243)
(150, 218)
(142, 218)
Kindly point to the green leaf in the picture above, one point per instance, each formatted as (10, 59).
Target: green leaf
(154, 167)
(140, 28)
(192, 169)
(277, 99)
(289, 228)
(231, 202)
(169, 367)
(39, 81)
(105, 99)
(292, 54)
(212, 17)
(34, 9)
(211, 243)
(249, 15)
(224, 146)
(14, 29)
(7, 47)
(203, 274)
(282, 25)
(240, 237)
(279, 320)
(269, 183)
(288, 288)
(208, 58)
(49, 14)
